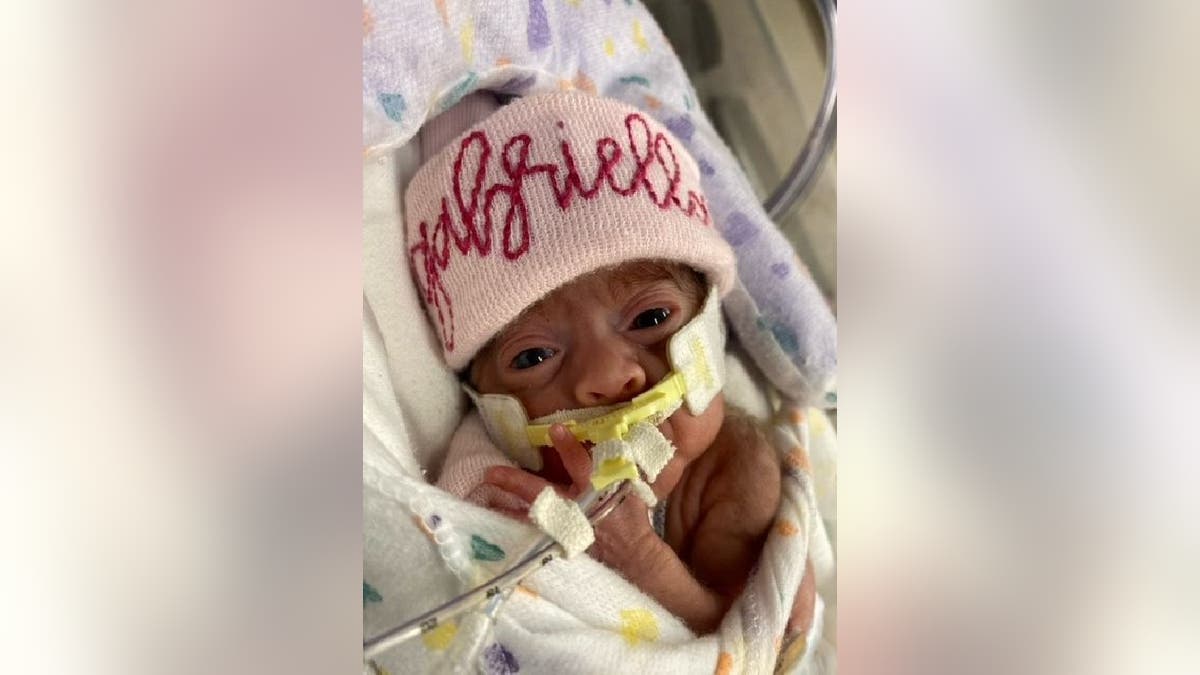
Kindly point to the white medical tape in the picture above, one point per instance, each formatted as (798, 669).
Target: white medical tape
(642, 490)
(649, 449)
(697, 351)
(576, 414)
(562, 520)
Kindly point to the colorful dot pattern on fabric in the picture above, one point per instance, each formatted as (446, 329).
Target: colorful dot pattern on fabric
(781, 270)
(393, 106)
(539, 26)
(724, 663)
(681, 127)
(427, 525)
(455, 95)
(739, 229)
(483, 549)
(368, 21)
(634, 79)
(638, 625)
(783, 334)
(498, 660)
(653, 103)
(440, 638)
(610, 47)
(466, 38)
(639, 38)
(786, 528)
(441, 9)
(584, 83)
(370, 594)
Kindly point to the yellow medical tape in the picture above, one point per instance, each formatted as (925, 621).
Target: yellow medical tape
(616, 424)
(612, 470)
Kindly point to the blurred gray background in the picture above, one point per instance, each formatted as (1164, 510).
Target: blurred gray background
(759, 69)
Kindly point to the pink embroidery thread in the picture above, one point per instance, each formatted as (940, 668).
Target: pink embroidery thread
(469, 233)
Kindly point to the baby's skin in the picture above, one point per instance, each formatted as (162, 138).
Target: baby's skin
(601, 340)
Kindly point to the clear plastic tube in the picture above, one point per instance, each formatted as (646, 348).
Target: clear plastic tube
(498, 589)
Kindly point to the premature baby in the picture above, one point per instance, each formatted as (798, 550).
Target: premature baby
(601, 340)
(580, 243)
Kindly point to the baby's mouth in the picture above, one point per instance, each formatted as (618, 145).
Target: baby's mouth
(552, 466)
(577, 414)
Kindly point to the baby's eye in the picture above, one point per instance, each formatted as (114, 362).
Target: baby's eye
(531, 357)
(651, 318)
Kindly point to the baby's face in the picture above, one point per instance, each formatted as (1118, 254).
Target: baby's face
(602, 340)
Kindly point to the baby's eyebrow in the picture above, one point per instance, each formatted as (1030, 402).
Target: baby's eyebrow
(623, 283)
(535, 311)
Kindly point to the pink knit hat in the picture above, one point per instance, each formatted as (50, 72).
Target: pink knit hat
(544, 190)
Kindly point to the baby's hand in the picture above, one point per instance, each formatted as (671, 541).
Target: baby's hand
(525, 486)
(618, 536)
(495, 499)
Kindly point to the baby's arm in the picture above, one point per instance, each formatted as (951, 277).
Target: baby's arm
(470, 455)
(739, 502)
(728, 502)
(625, 540)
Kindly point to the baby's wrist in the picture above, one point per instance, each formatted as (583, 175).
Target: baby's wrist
(637, 554)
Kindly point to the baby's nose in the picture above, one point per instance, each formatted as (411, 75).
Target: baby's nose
(609, 374)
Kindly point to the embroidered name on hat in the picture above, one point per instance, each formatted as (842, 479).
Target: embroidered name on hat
(644, 167)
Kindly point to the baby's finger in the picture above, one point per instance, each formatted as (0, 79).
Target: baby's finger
(520, 483)
(522, 516)
(575, 457)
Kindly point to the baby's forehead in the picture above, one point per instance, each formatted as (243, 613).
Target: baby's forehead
(616, 283)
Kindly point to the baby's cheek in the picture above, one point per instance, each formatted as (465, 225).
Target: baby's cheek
(695, 433)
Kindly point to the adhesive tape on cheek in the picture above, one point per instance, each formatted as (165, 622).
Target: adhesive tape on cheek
(698, 352)
(505, 420)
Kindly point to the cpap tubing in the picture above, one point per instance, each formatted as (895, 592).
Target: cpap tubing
(499, 586)
(605, 422)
